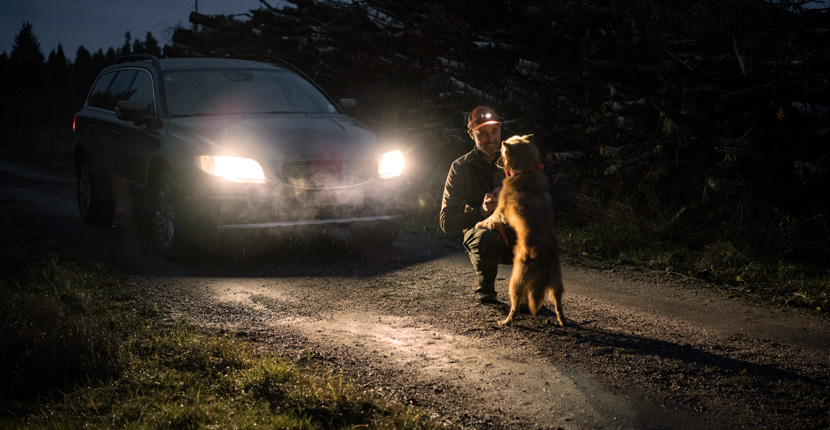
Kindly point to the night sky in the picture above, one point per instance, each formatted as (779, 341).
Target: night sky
(102, 23)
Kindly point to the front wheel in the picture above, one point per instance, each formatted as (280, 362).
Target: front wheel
(167, 235)
(375, 233)
(94, 209)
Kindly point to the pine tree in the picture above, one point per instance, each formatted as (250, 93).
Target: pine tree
(125, 48)
(27, 61)
(110, 56)
(151, 45)
(138, 47)
(99, 61)
(83, 73)
(58, 68)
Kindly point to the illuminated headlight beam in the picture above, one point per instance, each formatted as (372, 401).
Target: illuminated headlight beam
(235, 169)
(392, 164)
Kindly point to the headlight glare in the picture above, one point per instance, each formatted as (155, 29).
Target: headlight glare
(392, 164)
(235, 169)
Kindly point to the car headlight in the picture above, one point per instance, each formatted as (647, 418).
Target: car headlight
(236, 169)
(392, 164)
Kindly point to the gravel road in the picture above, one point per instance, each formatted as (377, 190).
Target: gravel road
(642, 350)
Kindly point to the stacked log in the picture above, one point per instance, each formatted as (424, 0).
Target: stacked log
(711, 102)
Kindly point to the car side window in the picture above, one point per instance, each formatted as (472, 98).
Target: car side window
(142, 91)
(98, 96)
(120, 88)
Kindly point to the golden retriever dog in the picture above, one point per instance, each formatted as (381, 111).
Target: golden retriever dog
(525, 205)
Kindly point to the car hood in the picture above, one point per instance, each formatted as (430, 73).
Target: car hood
(290, 136)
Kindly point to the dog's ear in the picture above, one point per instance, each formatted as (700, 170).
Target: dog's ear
(519, 139)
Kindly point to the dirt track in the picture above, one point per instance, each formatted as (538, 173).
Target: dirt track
(642, 350)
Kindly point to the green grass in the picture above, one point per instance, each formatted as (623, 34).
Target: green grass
(79, 350)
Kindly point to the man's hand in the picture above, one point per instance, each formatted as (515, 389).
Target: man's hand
(491, 200)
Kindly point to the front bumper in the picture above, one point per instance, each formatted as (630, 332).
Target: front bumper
(276, 206)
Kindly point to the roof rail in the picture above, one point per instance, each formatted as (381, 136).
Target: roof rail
(138, 57)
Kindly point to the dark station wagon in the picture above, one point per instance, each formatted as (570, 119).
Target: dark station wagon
(209, 145)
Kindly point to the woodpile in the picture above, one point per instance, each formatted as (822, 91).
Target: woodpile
(693, 104)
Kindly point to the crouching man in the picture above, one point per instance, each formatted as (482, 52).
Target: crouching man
(471, 195)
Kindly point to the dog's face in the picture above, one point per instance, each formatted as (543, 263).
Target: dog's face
(518, 153)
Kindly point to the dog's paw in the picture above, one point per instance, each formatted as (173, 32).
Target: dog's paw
(485, 225)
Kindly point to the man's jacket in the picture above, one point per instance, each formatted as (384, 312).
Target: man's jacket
(469, 179)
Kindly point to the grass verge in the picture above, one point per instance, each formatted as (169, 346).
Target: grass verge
(733, 264)
(79, 350)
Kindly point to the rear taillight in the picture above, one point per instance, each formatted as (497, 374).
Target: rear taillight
(73, 122)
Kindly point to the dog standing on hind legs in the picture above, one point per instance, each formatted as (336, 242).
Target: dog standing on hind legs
(525, 205)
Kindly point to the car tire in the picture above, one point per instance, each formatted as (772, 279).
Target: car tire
(170, 241)
(94, 209)
(375, 233)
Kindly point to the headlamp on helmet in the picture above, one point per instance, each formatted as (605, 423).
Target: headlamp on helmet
(481, 116)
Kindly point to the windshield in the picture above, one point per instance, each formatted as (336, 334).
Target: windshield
(238, 91)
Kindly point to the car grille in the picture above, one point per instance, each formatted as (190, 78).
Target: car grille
(328, 173)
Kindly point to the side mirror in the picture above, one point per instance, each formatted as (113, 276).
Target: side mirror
(133, 111)
(349, 106)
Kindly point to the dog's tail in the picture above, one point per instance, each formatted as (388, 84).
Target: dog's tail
(535, 252)
(535, 299)
(539, 246)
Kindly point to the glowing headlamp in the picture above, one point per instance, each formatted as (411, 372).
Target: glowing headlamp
(391, 165)
(234, 169)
